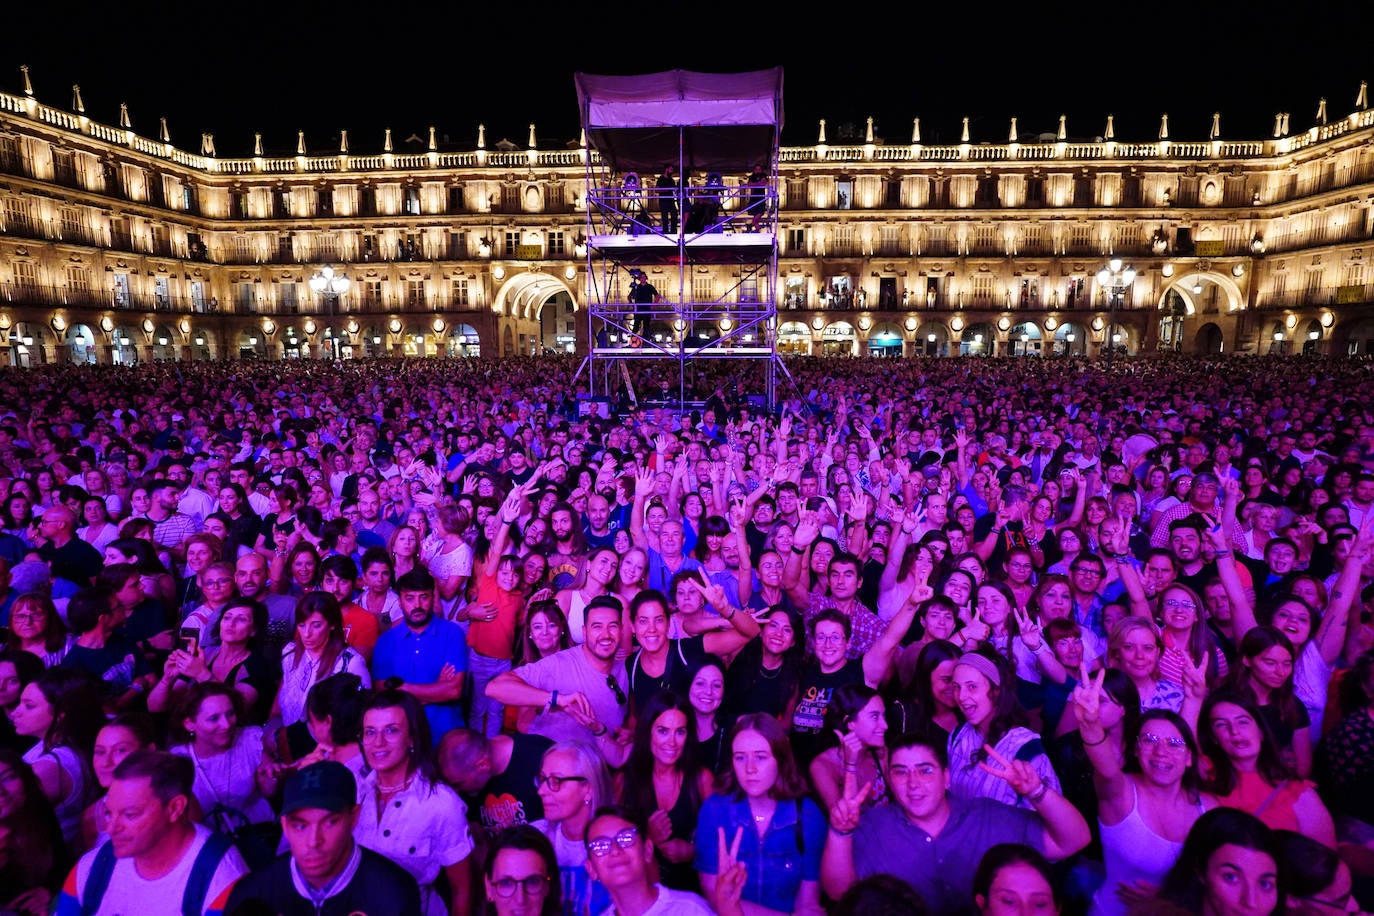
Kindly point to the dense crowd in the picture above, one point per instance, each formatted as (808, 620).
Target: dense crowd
(448, 637)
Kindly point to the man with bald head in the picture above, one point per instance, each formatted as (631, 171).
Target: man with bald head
(67, 556)
(251, 578)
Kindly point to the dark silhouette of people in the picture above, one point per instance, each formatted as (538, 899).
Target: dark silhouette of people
(668, 189)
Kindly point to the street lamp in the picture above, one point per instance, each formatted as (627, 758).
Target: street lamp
(331, 285)
(1115, 278)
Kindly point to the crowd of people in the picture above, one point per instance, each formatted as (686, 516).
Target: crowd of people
(449, 637)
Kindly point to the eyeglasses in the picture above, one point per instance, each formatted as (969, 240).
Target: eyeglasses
(612, 683)
(601, 846)
(556, 782)
(1087, 571)
(532, 885)
(830, 639)
(1150, 739)
(390, 733)
(1182, 604)
(1340, 904)
(28, 616)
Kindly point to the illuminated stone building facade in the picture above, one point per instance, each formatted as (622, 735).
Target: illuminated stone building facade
(119, 248)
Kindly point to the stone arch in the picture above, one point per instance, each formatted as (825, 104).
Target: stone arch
(1209, 339)
(523, 295)
(1184, 285)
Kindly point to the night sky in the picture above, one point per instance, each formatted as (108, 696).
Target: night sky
(323, 67)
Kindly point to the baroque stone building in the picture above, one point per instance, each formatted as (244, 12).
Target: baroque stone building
(117, 248)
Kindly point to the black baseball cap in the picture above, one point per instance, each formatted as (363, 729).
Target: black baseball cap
(328, 785)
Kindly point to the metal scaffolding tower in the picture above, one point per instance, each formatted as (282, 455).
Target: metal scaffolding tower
(684, 269)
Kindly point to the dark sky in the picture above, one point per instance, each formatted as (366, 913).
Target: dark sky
(323, 67)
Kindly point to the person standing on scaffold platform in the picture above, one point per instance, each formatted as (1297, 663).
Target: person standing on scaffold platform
(642, 293)
(667, 190)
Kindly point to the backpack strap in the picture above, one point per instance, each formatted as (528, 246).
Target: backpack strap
(203, 869)
(801, 834)
(98, 881)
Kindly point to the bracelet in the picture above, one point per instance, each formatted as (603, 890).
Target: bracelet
(799, 550)
(1093, 743)
(601, 734)
(839, 832)
(1039, 794)
(553, 700)
(1223, 553)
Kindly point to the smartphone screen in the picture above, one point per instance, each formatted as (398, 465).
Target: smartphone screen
(190, 639)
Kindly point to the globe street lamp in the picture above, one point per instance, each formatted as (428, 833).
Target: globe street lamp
(1115, 278)
(331, 285)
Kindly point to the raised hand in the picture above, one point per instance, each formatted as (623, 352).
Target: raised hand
(731, 873)
(644, 483)
(1031, 635)
(844, 815)
(1019, 774)
(851, 748)
(807, 529)
(976, 630)
(1087, 695)
(1194, 677)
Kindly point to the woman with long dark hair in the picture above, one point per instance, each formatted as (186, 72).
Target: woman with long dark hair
(316, 651)
(1227, 865)
(62, 708)
(34, 858)
(665, 780)
(985, 691)
(858, 720)
(1247, 773)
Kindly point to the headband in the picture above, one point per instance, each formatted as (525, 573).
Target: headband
(983, 665)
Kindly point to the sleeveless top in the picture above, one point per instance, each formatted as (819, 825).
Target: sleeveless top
(1132, 852)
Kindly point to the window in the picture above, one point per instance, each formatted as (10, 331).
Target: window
(554, 198)
(983, 292)
(510, 198)
(17, 215)
(79, 279)
(844, 241)
(1033, 239)
(290, 301)
(512, 238)
(985, 240)
(244, 299)
(844, 194)
(703, 289)
(283, 203)
(457, 245)
(238, 205)
(25, 273)
(1081, 239)
(243, 249)
(556, 245)
(162, 240)
(415, 293)
(63, 169)
(796, 241)
(372, 292)
(369, 247)
(71, 224)
(891, 240)
(749, 290)
(458, 292)
(412, 201)
(455, 200)
(326, 202)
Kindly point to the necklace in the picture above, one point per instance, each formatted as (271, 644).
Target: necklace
(764, 673)
(392, 790)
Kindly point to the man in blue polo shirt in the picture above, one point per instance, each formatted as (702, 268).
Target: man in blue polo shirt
(426, 656)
